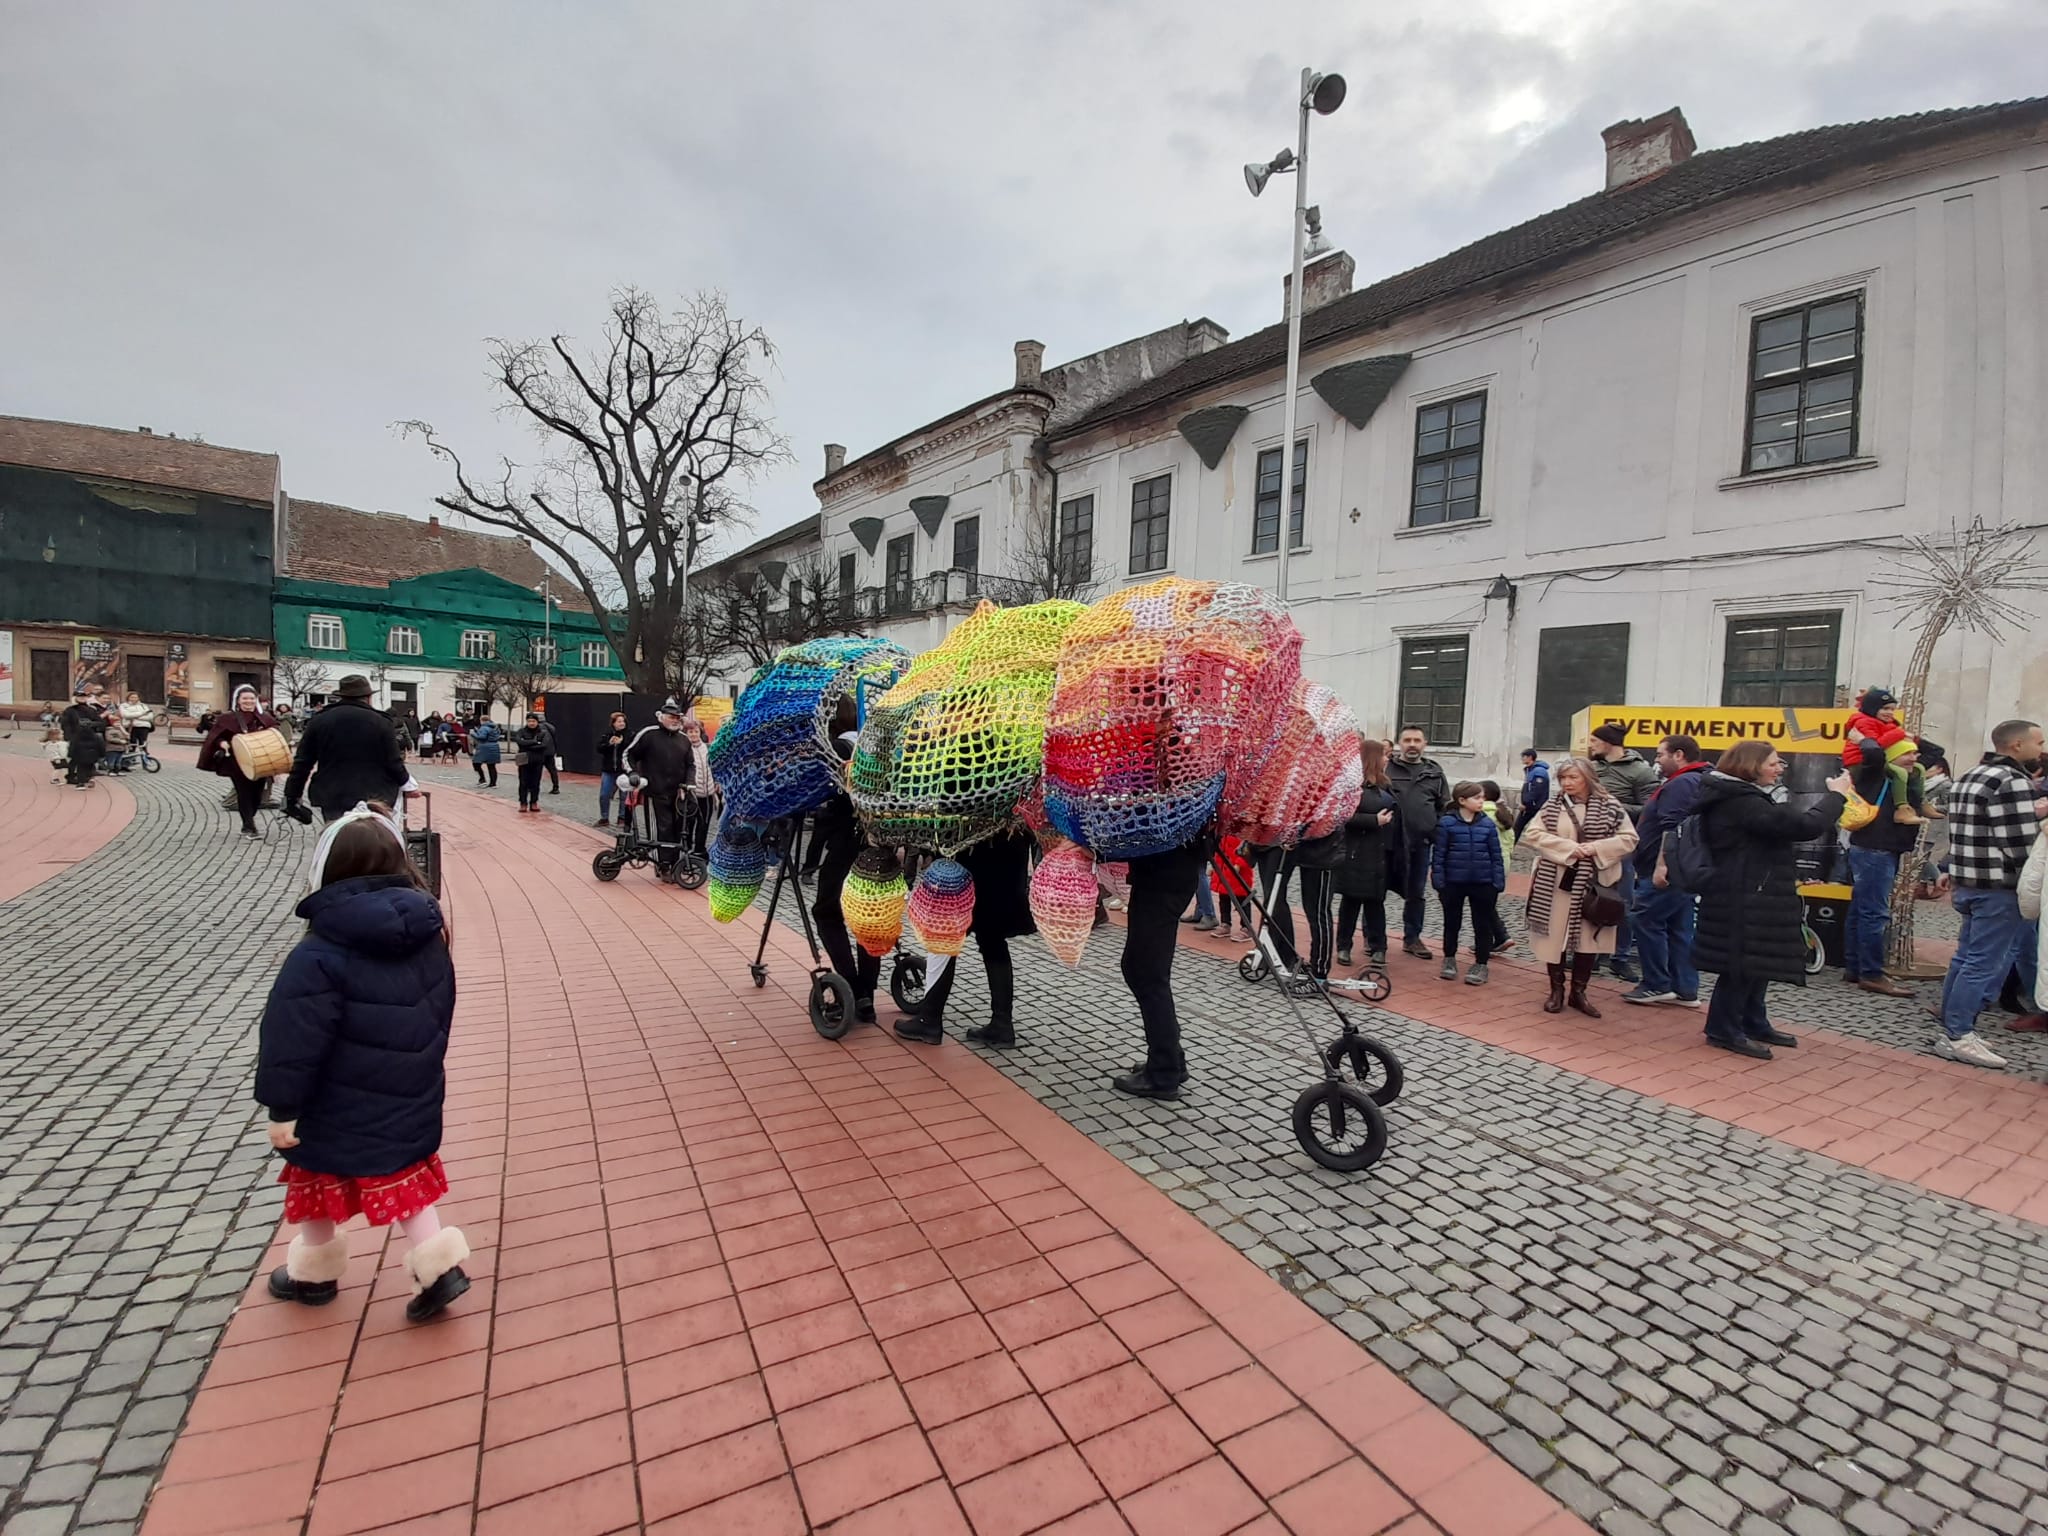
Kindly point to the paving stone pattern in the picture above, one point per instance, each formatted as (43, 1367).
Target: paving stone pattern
(135, 1192)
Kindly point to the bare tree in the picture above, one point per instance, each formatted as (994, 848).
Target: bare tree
(295, 678)
(648, 440)
(1966, 582)
(741, 616)
(1047, 562)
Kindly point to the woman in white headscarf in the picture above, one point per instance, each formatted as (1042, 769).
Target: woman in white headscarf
(245, 712)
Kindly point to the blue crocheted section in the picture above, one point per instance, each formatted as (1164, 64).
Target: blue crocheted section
(1114, 830)
(775, 756)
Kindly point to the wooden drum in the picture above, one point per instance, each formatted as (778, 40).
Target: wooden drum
(261, 754)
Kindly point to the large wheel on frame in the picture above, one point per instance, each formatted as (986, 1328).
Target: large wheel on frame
(607, 864)
(1372, 1066)
(1375, 985)
(691, 872)
(1339, 1126)
(831, 1004)
(906, 981)
(150, 764)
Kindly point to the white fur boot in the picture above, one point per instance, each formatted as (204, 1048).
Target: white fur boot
(311, 1273)
(436, 1269)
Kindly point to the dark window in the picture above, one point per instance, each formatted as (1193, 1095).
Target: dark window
(1433, 687)
(1448, 442)
(898, 572)
(1266, 505)
(1151, 518)
(1782, 659)
(146, 677)
(49, 676)
(1577, 665)
(1077, 542)
(1805, 378)
(796, 593)
(967, 552)
(846, 586)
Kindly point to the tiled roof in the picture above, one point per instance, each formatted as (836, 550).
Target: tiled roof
(138, 458)
(804, 529)
(1556, 237)
(324, 542)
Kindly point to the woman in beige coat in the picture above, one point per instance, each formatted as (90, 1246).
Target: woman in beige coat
(1579, 837)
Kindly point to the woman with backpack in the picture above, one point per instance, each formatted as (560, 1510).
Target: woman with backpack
(1580, 838)
(1750, 921)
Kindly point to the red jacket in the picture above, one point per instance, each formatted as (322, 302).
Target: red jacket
(217, 753)
(1230, 873)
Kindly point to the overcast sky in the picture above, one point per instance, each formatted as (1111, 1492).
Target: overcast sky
(286, 225)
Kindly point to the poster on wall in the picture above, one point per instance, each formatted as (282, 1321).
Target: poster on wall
(6, 666)
(177, 679)
(98, 663)
(1810, 741)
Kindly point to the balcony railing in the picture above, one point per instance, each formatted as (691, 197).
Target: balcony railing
(935, 593)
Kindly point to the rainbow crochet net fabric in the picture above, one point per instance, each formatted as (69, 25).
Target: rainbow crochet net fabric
(873, 900)
(1165, 712)
(1309, 782)
(945, 755)
(774, 756)
(942, 906)
(1063, 892)
(739, 862)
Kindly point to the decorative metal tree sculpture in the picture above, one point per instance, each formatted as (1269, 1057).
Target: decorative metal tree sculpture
(1964, 581)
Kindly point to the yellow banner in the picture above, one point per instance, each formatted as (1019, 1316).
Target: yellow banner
(1816, 731)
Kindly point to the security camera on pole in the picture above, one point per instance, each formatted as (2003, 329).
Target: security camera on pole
(1321, 94)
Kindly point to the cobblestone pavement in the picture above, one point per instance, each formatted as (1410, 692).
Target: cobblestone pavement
(133, 1198)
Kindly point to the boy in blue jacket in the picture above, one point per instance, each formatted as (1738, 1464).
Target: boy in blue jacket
(1466, 867)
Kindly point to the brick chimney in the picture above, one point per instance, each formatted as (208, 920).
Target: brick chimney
(1322, 280)
(1640, 148)
(1030, 363)
(433, 523)
(835, 459)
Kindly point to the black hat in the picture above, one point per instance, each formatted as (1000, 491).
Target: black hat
(1613, 735)
(354, 686)
(1875, 699)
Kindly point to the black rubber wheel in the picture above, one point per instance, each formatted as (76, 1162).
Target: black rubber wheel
(606, 865)
(1375, 985)
(1339, 1126)
(1366, 1060)
(759, 973)
(691, 873)
(1255, 966)
(831, 1004)
(906, 981)
(151, 765)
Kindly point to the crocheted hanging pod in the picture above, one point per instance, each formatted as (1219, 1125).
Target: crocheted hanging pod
(775, 757)
(739, 863)
(1310, 781)
(946, 754)
(873, 899)
(1165, 703)
(1063, 891)
(942, 906)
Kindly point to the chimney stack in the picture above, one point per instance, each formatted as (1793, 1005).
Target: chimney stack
(1030, 363)
(1639, 148)
(1325, 279)
(434, 522)
(835, 459)
(145, 432)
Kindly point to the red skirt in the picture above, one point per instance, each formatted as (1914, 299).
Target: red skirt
(389, 1197)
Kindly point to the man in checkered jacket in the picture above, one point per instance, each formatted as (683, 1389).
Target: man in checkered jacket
(1993, 817)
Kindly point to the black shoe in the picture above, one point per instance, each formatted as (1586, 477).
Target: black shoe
(863, 1010)
(913, 1028)
(1621, 970)
(250, 832)
(556, 790)
(309, 1293)
(1001, 1036)
(1142, 1085)
(1418, 949)
(1377, 957)
(1344, 955)
(1752, 1048)
(602, 821)
(1777, 1037)
(434, 1300)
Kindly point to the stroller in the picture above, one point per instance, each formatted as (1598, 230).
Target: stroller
(637, 845)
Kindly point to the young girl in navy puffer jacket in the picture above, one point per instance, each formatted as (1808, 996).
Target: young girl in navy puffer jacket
(1466, 868)
(350, 1068)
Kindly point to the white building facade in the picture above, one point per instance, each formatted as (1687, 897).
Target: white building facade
(1650, 449)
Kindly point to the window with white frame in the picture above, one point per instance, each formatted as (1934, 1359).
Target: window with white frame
(1805, 382)
(479, 644)
(1266, 503)
(324, 633)
(404, 640)
(546, 653)
(1449, 441)
(595, 655)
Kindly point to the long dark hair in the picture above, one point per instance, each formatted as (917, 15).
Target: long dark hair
(1372, 756)
(363, 849)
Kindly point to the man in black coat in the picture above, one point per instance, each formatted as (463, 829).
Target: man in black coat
(350, 750)
(85, 737)
(1422, 794)
(664, 756)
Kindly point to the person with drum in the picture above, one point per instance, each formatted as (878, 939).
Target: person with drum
(350, 752)
(245, 715)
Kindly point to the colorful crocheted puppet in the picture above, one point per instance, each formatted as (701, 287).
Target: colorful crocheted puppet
(945, 755)
(1310, 781)
(873, 900)
(774, 757)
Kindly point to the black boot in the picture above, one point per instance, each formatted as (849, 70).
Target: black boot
(1555, 1002)
(1143, 1085)
(436, 1269)
(919, 1030)
(310, 1276)
(1000, 1034)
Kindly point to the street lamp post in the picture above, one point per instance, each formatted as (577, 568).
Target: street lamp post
(1321, 94)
